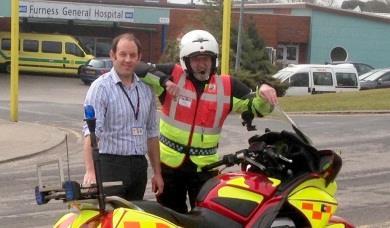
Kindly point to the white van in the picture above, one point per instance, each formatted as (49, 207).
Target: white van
(304, 79)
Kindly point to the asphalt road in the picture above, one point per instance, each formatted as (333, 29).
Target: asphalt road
(364, 191)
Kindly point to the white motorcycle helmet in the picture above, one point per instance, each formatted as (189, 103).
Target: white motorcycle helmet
(198, 42)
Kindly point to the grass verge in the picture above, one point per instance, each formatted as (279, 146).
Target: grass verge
(376, 99)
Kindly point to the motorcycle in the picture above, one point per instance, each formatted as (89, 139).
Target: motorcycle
(282, 181)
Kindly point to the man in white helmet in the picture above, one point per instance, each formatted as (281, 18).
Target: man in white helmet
(195, 103)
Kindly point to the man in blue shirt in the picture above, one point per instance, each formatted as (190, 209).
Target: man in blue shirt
(126, 124)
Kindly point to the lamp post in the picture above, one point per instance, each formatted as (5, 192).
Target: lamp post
(14, 82)
(226, 36)
(238, 52)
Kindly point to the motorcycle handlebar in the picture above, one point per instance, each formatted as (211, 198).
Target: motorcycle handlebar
(228, 160)
(213, 165)
(71, 191)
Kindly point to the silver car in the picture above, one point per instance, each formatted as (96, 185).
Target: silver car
(379, 78)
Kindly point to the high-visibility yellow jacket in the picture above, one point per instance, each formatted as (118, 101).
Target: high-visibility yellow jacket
(191, 124)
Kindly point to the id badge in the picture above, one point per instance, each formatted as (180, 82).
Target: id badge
(185, 101)
(137, 131)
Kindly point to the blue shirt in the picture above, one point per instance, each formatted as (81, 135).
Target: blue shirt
(117, 129)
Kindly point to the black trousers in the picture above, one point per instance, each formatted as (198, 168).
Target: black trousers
(178, 182)
(131, 170)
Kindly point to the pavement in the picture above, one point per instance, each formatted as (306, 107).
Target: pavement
(22, 139)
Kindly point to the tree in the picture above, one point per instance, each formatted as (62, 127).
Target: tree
(254, 57)
(212, 17)
(371, 6)
(171, 52)
(255, 66)
(377, 7)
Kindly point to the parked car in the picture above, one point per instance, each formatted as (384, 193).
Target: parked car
(378, 79)
(94, 68)
(361, 68)
(365, 75)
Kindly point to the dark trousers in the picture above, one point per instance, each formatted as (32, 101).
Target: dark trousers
(178, 182)
(131, 170)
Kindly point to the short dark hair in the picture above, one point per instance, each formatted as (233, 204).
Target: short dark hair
(127, 36)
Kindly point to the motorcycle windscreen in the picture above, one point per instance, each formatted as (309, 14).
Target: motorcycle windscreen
(123, 217)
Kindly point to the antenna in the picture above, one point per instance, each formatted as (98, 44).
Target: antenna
(91, 122)
(67, 155)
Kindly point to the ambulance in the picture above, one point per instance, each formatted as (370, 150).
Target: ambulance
(44, 53)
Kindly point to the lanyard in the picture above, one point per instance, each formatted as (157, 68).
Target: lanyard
(131, 103)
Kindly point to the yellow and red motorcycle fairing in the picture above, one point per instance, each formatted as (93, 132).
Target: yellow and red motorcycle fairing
(118, 218)
(316, 201)
(129, 218)
(82, 218)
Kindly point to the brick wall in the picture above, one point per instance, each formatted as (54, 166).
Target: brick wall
(151, 43)
(273, 29)
(182, 21)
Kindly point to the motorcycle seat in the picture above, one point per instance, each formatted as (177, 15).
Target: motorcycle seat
(199, 217)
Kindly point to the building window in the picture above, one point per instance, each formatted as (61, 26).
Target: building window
(271, 53)
(287, 54)
(30, 45)
(103, 47)
(98, 46)
(279, 53)
(291, 53)
(51, 47)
